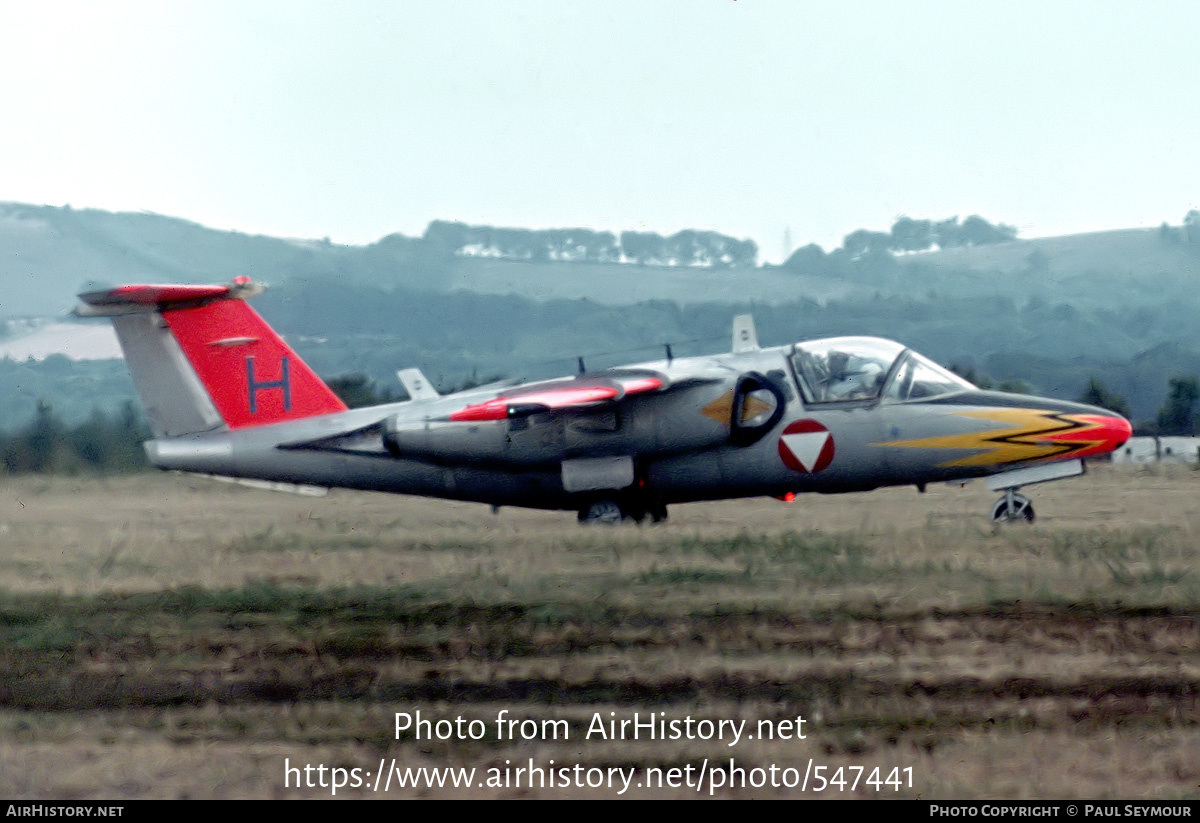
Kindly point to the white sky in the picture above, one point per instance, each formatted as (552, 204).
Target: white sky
(357, 119)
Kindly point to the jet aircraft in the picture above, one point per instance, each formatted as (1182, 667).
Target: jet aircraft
(225, 395)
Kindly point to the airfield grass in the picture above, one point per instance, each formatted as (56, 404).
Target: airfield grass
(167, 636)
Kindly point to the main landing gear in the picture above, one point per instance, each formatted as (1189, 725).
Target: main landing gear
(616, 509)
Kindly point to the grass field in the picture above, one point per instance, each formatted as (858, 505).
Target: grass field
(168, 636)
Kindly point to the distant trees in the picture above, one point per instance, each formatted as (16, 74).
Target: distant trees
(104, 443)
(685, 248)
(1177, 414)
(644, 247)
(875, 249)
(918, 235)
(1097, 394)
(1009, 385)
(907, 235)
(975, 231)
(691, 247)
(972, 376)
(358, 390)
(35, 448)
(101, 443)
(710, 248)
(688, 248)
(1014, 386)
(912, 235)
(863, 242)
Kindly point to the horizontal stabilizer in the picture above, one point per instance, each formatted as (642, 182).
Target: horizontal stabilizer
(144, 294)
(158, 297)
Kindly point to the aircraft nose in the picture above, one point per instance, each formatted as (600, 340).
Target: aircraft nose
(1105, 431)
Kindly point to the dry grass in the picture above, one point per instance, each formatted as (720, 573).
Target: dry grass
(167, 636)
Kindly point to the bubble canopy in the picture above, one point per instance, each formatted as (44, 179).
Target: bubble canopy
(857, 369)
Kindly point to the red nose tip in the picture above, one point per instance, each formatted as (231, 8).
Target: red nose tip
(1103, 434)
(1121, 429)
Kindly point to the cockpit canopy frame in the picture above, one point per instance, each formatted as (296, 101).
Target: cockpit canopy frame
(868, 370)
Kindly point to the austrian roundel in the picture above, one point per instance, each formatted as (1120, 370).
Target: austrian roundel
(806, 446)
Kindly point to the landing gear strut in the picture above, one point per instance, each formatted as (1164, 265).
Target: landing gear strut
(1012, 508)
(1015, 508)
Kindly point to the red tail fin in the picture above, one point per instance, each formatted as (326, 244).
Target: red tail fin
(252, 376)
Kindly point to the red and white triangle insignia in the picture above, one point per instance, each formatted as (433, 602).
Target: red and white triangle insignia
(806, 447)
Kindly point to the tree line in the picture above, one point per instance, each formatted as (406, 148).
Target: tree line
(907, 235)
(684, 248)
(697, 248)
(102, 443)
(1176, 417)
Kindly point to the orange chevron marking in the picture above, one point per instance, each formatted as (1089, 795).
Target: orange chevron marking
(721, 409)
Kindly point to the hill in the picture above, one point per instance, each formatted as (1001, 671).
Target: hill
(1052, 312)
(1111, 269)
(48, 253)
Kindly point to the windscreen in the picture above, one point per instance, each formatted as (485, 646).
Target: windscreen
(920, 378)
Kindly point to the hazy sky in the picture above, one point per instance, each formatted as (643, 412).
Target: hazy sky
(354, 120)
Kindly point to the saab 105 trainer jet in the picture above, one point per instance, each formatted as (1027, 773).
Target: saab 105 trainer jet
(225, 395)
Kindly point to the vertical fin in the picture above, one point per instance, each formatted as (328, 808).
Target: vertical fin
(251, 374)
(201, 356)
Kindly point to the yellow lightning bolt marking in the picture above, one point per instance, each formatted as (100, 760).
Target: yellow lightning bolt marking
(1024, 439)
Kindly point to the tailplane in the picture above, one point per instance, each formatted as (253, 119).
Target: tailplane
(202, 358)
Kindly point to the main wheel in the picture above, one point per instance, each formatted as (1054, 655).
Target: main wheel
(602, 511)
(1012, 509)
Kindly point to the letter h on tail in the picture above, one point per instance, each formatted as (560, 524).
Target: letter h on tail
(253, 387)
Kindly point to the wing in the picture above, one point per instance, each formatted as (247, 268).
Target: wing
(497, 431)
(579, 393)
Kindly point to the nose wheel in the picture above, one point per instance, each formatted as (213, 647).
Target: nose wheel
(1012, 508)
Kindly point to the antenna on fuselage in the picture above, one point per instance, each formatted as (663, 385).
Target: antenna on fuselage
(745, 337)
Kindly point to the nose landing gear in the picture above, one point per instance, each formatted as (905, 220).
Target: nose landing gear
(1016, 508)
(1012, 508)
